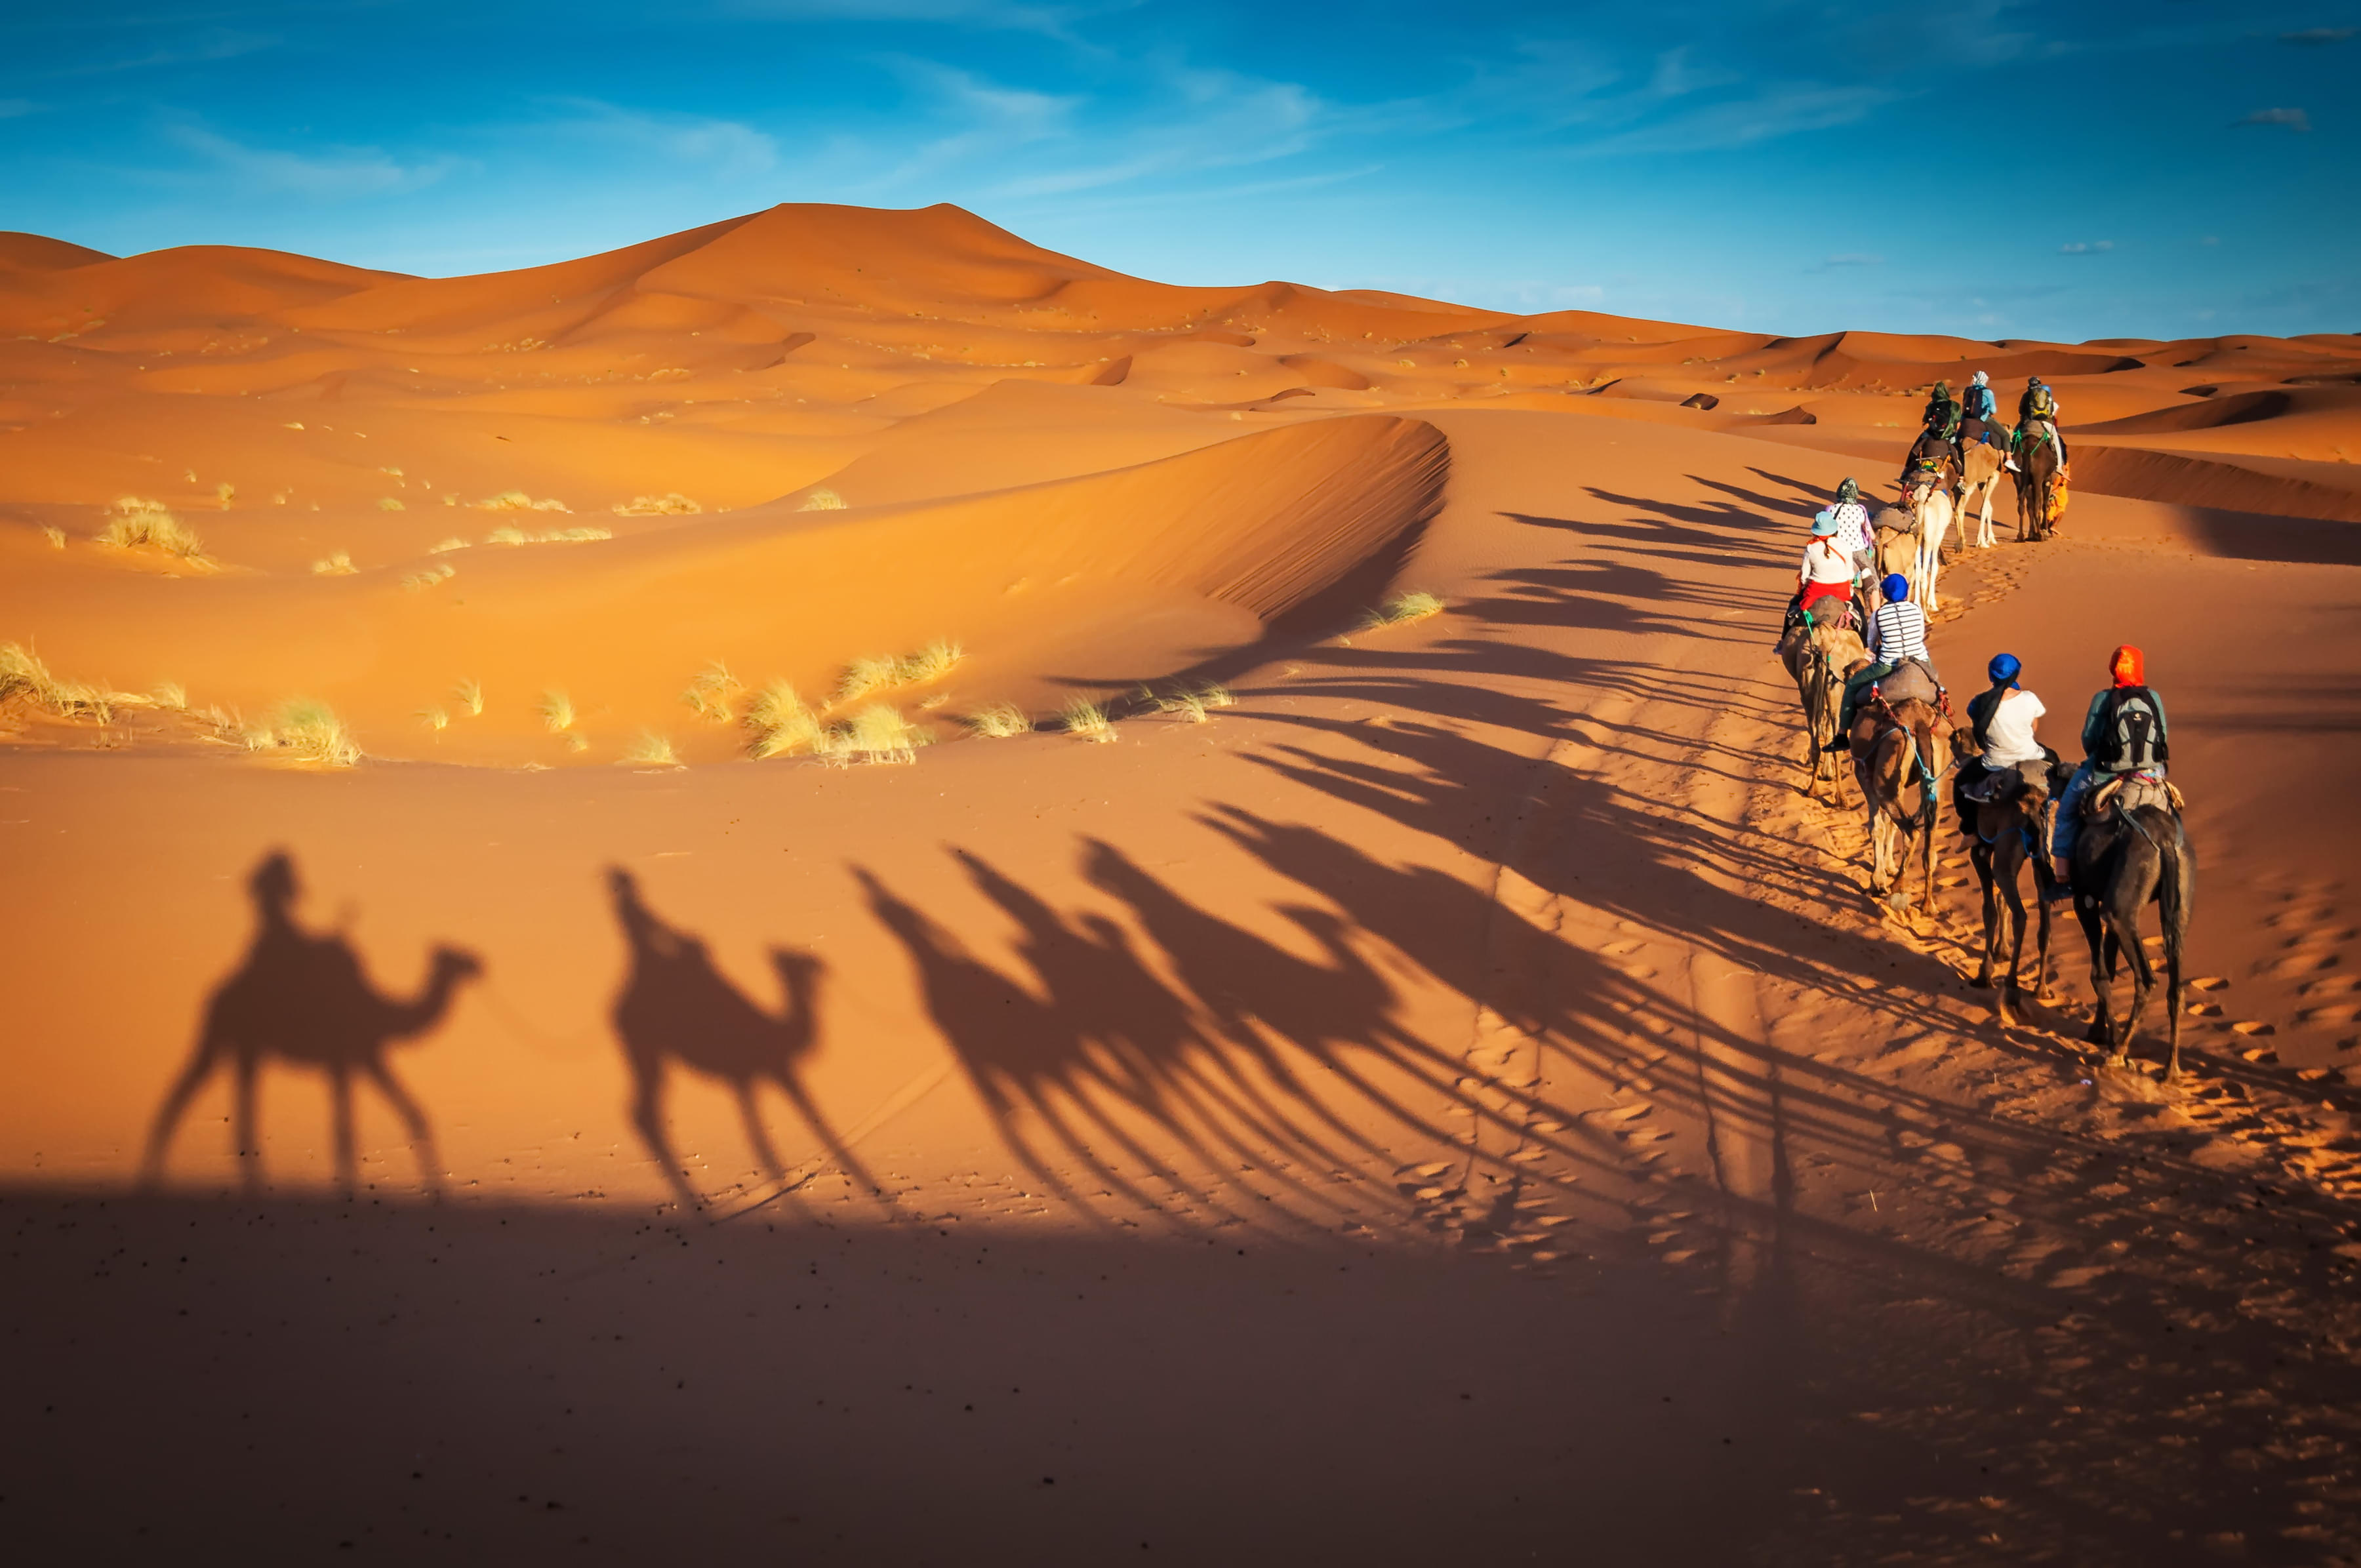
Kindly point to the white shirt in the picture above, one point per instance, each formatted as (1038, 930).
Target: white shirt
(1853, 532)
(1827, 561)
(2008, 739)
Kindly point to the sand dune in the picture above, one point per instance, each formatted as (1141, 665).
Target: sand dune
(1442, 1088)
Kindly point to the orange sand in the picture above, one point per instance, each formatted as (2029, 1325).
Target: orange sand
(1455, 1103)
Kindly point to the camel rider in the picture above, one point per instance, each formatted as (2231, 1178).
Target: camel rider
(1825, 573)
(1982, 411)
(1897, 635)
(2036, 415)
(1942, 416)
(2002, 719)
(1853, 530)
(2124, 732)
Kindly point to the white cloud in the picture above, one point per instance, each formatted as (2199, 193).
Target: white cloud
(728, 149)
(1780, 111)
(2086, 246)
(2293, 119)
(1856, 258)
(334, 173)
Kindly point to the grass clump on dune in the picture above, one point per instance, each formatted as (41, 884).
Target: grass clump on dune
(932, 663)
(55, 535)
(339, 564)
(556, 712)
(671, 504)
(878, 733)
(652, 751)
(430, 577)
(998, 721)
(822, 500)
(454, 543)
(470, 696)
(781, 724)
(306, 730)
(24, 677)
(866, 675)
(22, 674)
(1402, 609)
(713, 694)
(509, 533)
(1086, 720)
(139, 524)
(517, 500)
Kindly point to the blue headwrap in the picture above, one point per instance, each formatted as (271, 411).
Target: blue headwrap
(1896, 588)
(2004, 667)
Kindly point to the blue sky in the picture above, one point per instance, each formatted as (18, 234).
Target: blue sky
(2068, 170)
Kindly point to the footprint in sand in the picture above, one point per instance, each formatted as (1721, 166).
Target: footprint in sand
(2253, 1026)
(2208, 983)
(2341, 1013)
(2333, 985)
(2299, 963)
(2205, 1010)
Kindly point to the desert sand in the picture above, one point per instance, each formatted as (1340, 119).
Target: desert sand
(1371, 1091)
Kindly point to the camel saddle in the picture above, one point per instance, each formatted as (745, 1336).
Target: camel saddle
(1909, 681)
(2128, 791)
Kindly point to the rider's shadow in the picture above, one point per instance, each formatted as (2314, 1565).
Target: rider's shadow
(302, 998)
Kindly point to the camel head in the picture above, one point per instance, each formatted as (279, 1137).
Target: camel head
(799, 973)
(453, 965)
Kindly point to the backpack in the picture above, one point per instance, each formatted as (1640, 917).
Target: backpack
(2043, 405)
(2131, 733)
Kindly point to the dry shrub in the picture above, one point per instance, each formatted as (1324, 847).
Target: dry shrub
(470, 693)
(998, 721)
(435, 718)
(1086, 720)
(509, 533)
(22, 674)
(139, 524)
(171, 696)
(1401, 609)
(387, 503)
(878, 733)
(671, 504)
(307, 730)
(867, 675)
(55, 535)
(932, 663)
(339, 564)
(517, 500)
(822, 500)
(714, 693)
(431, 578)
(652, 751)
(781, 724)
(447, 545)
(557, 710)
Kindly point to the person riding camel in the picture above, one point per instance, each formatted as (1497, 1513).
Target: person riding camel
(2036, 416)
(1827, 573)
(1982, 422)
(1854, 532)
(2124, 732)
(1897, 636)
(2003, 720)
(1943, 413)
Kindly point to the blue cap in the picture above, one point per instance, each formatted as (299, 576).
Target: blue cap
(1896, 587)
(2004, 667)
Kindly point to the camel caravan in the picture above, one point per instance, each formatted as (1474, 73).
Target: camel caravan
(2106, 836)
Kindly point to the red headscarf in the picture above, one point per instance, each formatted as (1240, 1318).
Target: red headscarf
(2128, 666)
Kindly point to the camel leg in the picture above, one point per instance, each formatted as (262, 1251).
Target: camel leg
(413, 1122)
(249, 1149)
(647, 1115)
(2172, 1005)
(340, 1118)
(2142, 983)
(755, 1135)
(1981, 859)
(192, 1077)
(2094, 933)
(2015, 902)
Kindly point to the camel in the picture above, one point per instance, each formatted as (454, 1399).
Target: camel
(676, 1007)
(2004, 837)
(1817, 658)
(1899, 746)
(2040, 485)
(304, 1000)
(1929, 504)
(2133, 852)
(1981, 475)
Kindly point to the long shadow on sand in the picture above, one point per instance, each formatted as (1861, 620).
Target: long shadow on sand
(303, 999)
(676, 1009)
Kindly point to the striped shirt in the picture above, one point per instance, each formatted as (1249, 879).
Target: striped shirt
(1898, 633)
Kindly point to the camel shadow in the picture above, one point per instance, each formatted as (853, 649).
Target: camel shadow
(303, 998)
(677, 1009)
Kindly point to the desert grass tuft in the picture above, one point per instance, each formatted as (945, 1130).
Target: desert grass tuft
(509, 533)
(932, 663)
(865, 677)
(672, 504)
(556, 712)
(781, 723)
(339, 564)
(652, 751)
(1086, 720)
(431, 578)
(998, 721)
(1216, 695)
(55, 535)
(389, 503)
(139, 524)
(470, 693)
(517, 500)
(878, 733)
(1188, 707)
(22, 674)
(713, 694)
(822, 500)
(435, 718)
(171, 696)
(1401, 609)
(454, 543)
(310, 731)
